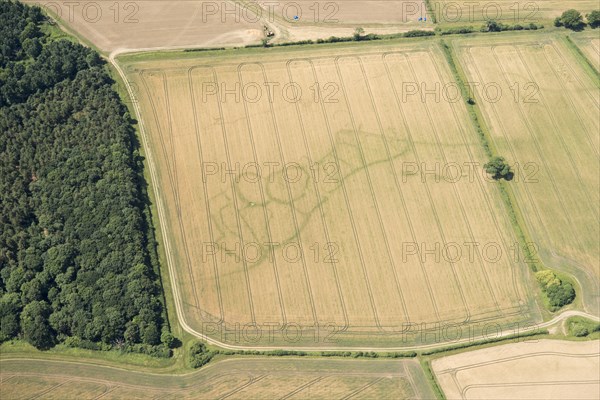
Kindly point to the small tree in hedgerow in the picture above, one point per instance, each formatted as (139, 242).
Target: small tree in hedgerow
(593, 19)
(498, 168)
(570, 19)
(358, 32)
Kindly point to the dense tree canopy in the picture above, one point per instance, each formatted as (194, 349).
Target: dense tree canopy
(593, 18)
(77, 262)
(571, 19)
(559, 293)
(498, 168)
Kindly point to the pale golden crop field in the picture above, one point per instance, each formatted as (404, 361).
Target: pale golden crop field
(327, 194)
(545, 369)
(552, 131)
(344, 12)
(146, 24)
(508, 11)
(232, 379)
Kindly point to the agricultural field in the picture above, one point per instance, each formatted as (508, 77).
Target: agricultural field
(166, 24)
(507, 11)
(232, 379)
(546, 369)
(534, 78)
(347, 12)
(311, 20)
(327, 196)
(589, 44)
(154, 24)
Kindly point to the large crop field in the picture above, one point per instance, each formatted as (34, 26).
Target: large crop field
(344, 197)
(551, 130)
(346, 12)
(231, 379)
(508, 11)
(155, 23)
(546, 369)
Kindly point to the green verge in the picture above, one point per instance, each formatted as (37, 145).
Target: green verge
(430, 11)
(134, 361)
(432, 379)
(59, 29)
(482, 343)
(579, 55)
(581, 327)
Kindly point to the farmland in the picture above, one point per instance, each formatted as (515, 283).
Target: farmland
(348, 12)
(153, 24)
(162, 24)
(312, 210)
(589, 44)
(556, 150)
(546, 369)
(235, 379)
(507, 11)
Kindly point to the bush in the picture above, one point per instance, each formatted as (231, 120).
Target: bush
(169, 340)
(199, 355)
(558, 22)
(580, 331)
(582, 327)
(498, 168)
(570, 19)
(418, 33)
(493, 26)
(593, 19)
(559, 293)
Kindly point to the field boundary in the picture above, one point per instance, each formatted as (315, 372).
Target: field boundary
(581, 55)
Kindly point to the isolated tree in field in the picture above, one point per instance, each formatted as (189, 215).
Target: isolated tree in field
(498, 168)
(593, 18)
(570, 19)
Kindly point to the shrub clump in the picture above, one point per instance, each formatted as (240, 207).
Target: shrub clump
(570, 19)
(498, 168)
(199, 355)
(593, 19)
(559, 293)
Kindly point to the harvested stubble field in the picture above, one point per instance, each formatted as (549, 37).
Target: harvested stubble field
(300, 207)
(507, 11)
(346, 12)
(553, 125)
(232, 379)
(114, 25)
(546, 369)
